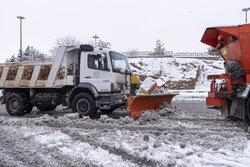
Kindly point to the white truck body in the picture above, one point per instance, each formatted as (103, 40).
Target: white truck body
(62, 72)
(83, 78)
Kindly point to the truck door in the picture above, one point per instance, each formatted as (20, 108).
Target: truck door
(120, 75)
(96, 71)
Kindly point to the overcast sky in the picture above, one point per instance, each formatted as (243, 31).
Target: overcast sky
(127, 24)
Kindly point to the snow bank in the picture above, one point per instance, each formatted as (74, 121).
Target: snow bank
(177, 73)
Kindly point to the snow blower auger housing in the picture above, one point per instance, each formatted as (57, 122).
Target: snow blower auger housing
(232, 94)
(82, 78)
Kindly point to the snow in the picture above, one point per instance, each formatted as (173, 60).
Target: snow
(176, 69)
(169, 136)
(79, 149)
(183, 134)
(148, 82)
(191, 96)
(160, 82)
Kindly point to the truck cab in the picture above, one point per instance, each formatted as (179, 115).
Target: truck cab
(108, 72)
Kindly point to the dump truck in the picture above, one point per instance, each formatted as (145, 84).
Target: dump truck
(230, 91)
(84, 78)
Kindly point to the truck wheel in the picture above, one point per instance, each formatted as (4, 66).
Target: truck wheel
(46, 107)
(41, 107)
(84, 104)
(29, 107)
(15, 104)
(51, 107)
(247, 113)
(107, 110)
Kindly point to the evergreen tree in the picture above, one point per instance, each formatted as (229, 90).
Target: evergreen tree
(159, 48)
(29, 55)
(12, 59)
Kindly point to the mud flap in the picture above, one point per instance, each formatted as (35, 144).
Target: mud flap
(140, 103)
(224, 111)
(238, 108)
(240, 104)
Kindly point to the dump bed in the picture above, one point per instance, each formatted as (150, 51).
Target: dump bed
(59, 73)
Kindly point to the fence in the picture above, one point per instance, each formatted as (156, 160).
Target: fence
(151, 54)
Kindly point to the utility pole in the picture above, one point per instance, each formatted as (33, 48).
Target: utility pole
(245, 10)
(21, 50)
(95, 37)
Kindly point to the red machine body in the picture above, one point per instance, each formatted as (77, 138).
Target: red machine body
(233, 44)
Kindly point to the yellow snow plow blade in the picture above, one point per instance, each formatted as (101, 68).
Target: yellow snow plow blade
(138, 104)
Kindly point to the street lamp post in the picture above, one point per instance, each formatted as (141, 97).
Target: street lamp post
(245, 10)
(20, 50)
(95, 37)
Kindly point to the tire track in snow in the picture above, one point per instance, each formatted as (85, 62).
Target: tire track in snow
(80, 153)
(214, 129)
(191, 129)
(6, 156)
(30, 154)
(120, 152)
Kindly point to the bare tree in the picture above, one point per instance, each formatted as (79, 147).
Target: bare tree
(100, 43)
(67, 40)
(103, 44)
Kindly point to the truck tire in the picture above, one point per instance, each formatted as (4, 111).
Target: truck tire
(52, 107)
(15, 104)
(247, 113)
(107, 110)
(29, 106)
(46, 107)
(84, 104)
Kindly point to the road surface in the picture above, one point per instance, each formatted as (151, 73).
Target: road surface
(185, 134)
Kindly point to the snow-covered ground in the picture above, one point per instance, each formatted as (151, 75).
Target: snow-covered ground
(185, 134)
(177, 73)
(167, 137)
(189, 96)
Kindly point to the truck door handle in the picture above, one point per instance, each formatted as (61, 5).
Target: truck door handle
(87, 77)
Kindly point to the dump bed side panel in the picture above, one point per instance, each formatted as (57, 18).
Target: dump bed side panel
(55, 74)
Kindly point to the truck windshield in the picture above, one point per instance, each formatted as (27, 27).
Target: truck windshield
(119, 62)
